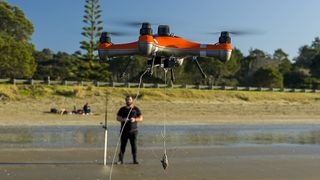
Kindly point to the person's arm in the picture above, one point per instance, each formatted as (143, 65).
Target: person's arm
(137, 119)
(120, 119)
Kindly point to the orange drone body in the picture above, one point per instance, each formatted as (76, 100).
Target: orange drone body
(164, 49)
(165, 46)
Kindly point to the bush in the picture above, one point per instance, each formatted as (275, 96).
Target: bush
(267, 77)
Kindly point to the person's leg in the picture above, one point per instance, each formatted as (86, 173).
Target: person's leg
(133, 142)
(124, 140)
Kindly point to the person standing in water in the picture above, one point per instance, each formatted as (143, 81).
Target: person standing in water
(129, 125)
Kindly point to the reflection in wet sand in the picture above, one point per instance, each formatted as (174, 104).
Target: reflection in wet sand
(150, 136)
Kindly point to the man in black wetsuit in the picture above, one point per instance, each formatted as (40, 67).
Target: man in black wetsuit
(130, 128)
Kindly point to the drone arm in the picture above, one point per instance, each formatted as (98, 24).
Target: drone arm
(106, 50)
(178, 47)
(221, 51)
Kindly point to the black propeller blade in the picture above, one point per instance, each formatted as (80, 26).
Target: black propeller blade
(118, 33)
(240, 32)
(128, 23)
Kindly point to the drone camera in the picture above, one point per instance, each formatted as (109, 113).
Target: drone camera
(170, 63)
(158, 60)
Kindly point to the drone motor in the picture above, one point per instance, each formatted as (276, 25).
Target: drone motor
(224, 37)
(105, 38)
(146, 29)
(163, 30)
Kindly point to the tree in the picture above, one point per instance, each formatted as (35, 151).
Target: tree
(285, 65)
(315, 66)
(60, 66)
(16, 58)
(233, 68)
(267, 77)
(307, 53)
(251, 63)
(316, 44)
(257, 59)
(92, 30)
(257, 53)
(94, 71)
(218, 73)
(14, 23)
(44, 55)
(132, 73)
(90, 68)
(280, 55)
(297, 78)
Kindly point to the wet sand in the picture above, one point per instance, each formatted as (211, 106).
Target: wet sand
(204, 163)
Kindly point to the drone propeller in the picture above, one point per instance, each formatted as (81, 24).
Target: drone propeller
(134, 24)
(130, 23)
(105, 37)
(240, 32)
(116, 33)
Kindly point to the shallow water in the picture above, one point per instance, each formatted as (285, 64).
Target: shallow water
(151, 136)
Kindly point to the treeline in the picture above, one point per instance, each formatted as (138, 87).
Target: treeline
(256, 69)
(19, 59)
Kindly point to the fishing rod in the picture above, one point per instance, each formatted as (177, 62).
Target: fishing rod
(105, 127)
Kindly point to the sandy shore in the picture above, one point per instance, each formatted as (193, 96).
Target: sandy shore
(35, 112)
(205, 163)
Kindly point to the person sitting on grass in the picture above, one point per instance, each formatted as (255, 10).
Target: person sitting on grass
(64, 111)
(86, 109)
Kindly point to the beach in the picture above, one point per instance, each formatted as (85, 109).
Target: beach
(208, 138)
(259, 162)
(37, 112)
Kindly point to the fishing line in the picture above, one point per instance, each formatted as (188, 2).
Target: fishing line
(164, 160)
(165, 113)
(119, 138)
(163, 133)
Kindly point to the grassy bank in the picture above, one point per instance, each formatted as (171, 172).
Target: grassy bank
(29, 105)
(40, 92)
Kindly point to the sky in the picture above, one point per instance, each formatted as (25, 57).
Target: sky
(285, 24)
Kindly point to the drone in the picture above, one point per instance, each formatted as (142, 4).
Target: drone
(164, 49)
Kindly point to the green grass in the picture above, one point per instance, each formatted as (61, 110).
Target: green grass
(23, 92)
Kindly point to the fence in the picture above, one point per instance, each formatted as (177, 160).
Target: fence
(151, 85)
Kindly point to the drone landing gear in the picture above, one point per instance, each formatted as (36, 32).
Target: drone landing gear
(166, 63)
(154, 62)
(195, 59)
(171, 63)
(173, 79)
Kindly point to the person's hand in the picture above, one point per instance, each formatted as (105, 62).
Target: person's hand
(133, 119)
